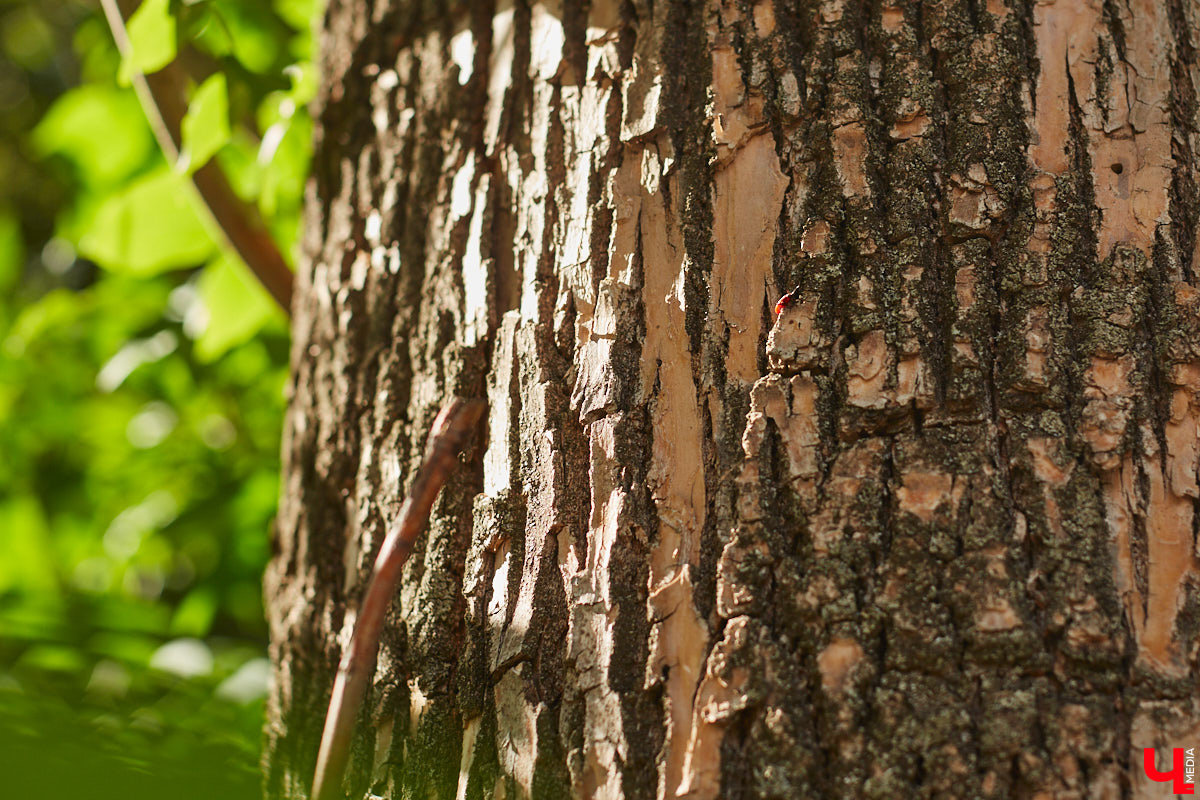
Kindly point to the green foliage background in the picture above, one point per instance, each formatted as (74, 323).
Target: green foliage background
(141, 392)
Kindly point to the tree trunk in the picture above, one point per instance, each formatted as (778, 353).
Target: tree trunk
(930, 532)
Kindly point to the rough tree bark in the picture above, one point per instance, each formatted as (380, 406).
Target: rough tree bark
(932, 532)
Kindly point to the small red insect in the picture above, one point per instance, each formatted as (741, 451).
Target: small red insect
(787, 300)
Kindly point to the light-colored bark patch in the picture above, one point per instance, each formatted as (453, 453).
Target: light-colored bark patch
(748, 198)
(836, 661)
(1045, 464)
(996, 614)
(795, 341)
(590, 644)
(1124, 106)
(680, 637)
(921, 493)
(516, 734)
(721, 695)
(866, 364)
(850, 156)
(470, 736)
(1170, 563)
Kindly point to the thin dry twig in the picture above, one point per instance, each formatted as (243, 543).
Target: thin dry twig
(239, 223)
(449, 432)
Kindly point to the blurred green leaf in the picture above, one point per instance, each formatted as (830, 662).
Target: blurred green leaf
(286, 165)
(150, 227)
(132, 648)
(28, 564)
(12, 251)
(141, 380)
(55, 658)
(99, 128)
(54, 311)
(194, 616)
(239, 162)
(237, 306)
(206, 123)
(305, 81)
(27, 39)
(300, 14)
(118, 614)
(93, 44)
(208, 31)
(152, 37)
(255, 33)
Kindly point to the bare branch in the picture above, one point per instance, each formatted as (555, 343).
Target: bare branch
(449, 432)
(238, 223)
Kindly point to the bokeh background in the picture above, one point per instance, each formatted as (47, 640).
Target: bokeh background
(142, 376)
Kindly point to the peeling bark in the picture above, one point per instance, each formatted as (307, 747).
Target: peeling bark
(930, 532)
